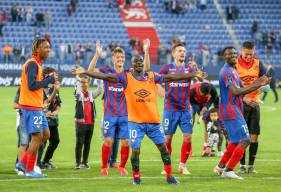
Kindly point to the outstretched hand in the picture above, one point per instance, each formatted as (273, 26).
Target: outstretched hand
(146, 45)
(200, 74)
(98, 48)
(78, 70)
(262, 81)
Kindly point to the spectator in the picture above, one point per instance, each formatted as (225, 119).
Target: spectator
(166, 5)
(255, 27)
(39, 18)
(48, 38)
(69, 51)
(128, 3)
(89, 51)
(48, 19)
(62, 52)
(269, 47)
(73, 3)
(1, 28)
(16, 52)
(14, 13)
(22, 53)
(29, 14)
(174, 6)
(235, 12)
(109, 4)
(203, 4)
(69, 10)
(79, 54)
(273, 37)
(4, 17)
(265, 38)
(7, 51)
(20, 14)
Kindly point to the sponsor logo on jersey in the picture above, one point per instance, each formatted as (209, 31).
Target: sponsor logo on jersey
(142, 94)
(178, 84)
(115, 89)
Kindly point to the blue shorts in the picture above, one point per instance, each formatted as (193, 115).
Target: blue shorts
(116, 127)
(21, 131)
(237, 130)
(172, 119)
(153, 130)
(34, 121)
(196, 108)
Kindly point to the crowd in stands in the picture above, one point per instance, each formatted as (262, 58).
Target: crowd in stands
(182, 6)
(265, 39)
(82, 53)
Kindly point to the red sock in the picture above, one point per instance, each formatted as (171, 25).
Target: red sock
(136, 174)
(190, 151)
(227, 154)
(30, 163)
(105, 155)
(169, 147)
(125, 150)
(236, 156)
(168, 169)
(25, 157)
(185, 150)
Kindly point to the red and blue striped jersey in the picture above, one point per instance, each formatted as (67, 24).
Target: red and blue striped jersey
(177, 93)
(230, 106)
(114, 97)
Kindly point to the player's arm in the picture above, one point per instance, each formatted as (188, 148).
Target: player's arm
(16, 100)
(214, 96)
(98, 90)
(54, 92)
(93, 63)
(146, 45)
(160, 90)
(254, 86)
(185, 76)
(107, 77)
(33, 84)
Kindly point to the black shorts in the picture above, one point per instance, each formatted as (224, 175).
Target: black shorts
(252, 117)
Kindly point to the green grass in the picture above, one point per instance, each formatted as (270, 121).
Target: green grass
(65, 178)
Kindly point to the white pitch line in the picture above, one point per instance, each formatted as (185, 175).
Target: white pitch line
(191, 160)
(128, 178)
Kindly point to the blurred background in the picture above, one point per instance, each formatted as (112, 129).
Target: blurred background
(73, 26)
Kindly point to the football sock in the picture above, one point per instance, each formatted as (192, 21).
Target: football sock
(236, 156)
(227, 154)
(253, 151)
(30, 163)
(169, 147)
(185, 151)
(105, 155)
(124, 155)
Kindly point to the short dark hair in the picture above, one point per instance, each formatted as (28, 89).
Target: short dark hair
(84, 76)
(178, 45)
(36, 44)
(205, 88)
(213, 110)
(226, 48)
(136, 58)
(248, 45)
(48, 70)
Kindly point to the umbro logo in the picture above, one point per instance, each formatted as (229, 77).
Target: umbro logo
(142, 93)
